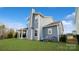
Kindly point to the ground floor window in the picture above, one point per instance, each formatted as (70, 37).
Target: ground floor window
(49, 31)
(35, 32)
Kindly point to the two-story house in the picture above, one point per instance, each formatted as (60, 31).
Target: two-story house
(43, 27)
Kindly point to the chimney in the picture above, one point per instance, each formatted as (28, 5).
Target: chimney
(33, 10)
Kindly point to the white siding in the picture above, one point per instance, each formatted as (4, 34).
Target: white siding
(46, 21)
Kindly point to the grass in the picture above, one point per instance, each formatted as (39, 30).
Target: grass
(29, 45)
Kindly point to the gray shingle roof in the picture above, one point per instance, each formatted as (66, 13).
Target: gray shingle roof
(52, 24)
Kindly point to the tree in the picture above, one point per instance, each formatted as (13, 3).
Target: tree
(2, 31)
(11, 33)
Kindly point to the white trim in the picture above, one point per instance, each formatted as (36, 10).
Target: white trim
(49, 31)
(31, 26)
(31, 34)
(38, 27)
(58, 32)
(18, 34)
(26, 33)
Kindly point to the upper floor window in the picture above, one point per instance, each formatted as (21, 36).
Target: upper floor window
(36, 23)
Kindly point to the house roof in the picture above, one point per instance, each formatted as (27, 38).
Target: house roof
(37, 13)
(55, 24)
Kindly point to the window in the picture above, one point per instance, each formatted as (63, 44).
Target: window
(49, 31)
(35, 32)
(36, 23)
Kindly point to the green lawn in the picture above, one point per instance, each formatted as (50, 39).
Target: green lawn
(29, 45)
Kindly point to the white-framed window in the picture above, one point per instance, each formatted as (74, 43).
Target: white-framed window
(36, 23)
(49, 30)
(35, 32)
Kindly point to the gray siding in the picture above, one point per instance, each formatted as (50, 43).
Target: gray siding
(54, 33)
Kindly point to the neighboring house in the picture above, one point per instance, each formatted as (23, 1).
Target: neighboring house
(43, 27)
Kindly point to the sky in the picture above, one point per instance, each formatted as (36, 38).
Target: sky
(16, 17)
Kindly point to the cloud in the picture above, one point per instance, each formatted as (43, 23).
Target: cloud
(14, 25)
(70, 16)
(68, 23)
(68, 27)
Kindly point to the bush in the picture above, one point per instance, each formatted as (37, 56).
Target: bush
(10, 35)
(51, 38)
(63, 38)
(41, 40)
(77, 38)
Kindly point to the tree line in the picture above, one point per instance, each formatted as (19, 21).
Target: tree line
(6, 32)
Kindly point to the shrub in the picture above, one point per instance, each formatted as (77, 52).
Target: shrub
(51, 38)
(10, 35)
(63, 38)
(77, 38)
